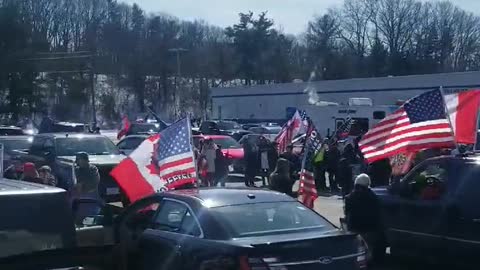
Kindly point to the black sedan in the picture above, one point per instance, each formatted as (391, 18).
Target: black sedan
(232, 229)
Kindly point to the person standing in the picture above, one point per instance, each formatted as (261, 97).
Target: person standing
(264, 149)
(344, 176)
(30, 173)
(87, 177)
(45, 173)
(332, 159)
(209, 152)
(319, 166)
(221, 167)
(250, 150)
(280, 178)
(380, 172)
(362, 214)
(292, 158)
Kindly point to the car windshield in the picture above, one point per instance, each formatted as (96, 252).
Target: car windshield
(144, 128)
(225, 125)
(93, 146)
(273, 130)
(269, 218)
(16, 144)
(227, 143)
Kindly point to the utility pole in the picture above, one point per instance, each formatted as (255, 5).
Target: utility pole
(178, 51)
(92, 91)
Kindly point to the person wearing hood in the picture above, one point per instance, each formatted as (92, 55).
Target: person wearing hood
(209, 151)
(280, 178)
(251, 157)
(363, 215)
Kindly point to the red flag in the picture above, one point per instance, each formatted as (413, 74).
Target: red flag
(125, 128)
(462, 108)
(420, 123)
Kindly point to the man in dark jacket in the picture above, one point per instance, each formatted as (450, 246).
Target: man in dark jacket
(332, 159)
(221, 167)
(362, 213)
(380, 172)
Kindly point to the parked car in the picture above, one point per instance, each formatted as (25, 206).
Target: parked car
(145, 128)
(232, 229)
(11, 144)
(39, 229)
(232, 150)
(269, 132)
(58, 150)
(11, 131)
(433, 210)
(229, 128)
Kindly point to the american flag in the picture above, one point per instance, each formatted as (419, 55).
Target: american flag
(402, 163)
(175, 155)
(420, 123)
(344, 130)
(307, 178)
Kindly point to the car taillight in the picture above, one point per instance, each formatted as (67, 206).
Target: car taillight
(362, 252)
(249, 263)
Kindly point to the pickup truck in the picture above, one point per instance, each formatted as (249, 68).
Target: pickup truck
(433, 210)
(39, 229)
(58, 150)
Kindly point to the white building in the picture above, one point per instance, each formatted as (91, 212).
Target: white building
(271, 102)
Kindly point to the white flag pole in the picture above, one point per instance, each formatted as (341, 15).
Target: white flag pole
(447, 114)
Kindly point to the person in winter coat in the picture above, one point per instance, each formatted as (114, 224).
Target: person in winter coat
(362, 213)
(45, 173)
(251, 158)
(30, 173)
(209, 152)
(280, 178)
(380, 172)
(292, 158)
(344, 176)
(221, 167)
(263, 148)
(332, 159)
(320, 167)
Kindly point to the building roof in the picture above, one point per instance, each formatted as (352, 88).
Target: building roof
(392, 83)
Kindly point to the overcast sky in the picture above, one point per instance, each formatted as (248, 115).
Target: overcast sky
(291, 15)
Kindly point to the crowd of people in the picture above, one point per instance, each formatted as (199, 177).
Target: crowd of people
(87, 177)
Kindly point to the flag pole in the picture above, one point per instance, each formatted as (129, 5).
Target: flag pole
(476, 133)
(448, 118)
(192, 146)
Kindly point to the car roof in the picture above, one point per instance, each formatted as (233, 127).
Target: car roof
(10, 127)
(16, 187)
(211, 136)
(70, 135)
(16, 137)
(218, 197)
(139, 136)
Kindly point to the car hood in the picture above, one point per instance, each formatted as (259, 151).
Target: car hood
(98, 160)
(236, 153)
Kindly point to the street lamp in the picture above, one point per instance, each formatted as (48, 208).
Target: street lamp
(177, 51)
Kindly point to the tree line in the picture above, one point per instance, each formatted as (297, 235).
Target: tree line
(53, 51)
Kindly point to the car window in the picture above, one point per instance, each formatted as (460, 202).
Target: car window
(70, 146)
(16, 144)
(269, 219)
(11, 132)
(176, 217)
(227, 143)
(428, 182)
(130, 143)
(37, 145)
(467, 191)
(141, 216)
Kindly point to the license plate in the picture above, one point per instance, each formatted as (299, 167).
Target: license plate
(230, 168)
(113, 191)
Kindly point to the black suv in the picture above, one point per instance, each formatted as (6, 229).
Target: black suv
(434, 209)
(229, 128)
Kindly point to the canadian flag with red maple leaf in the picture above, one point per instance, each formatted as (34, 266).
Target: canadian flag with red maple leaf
(163, 161)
